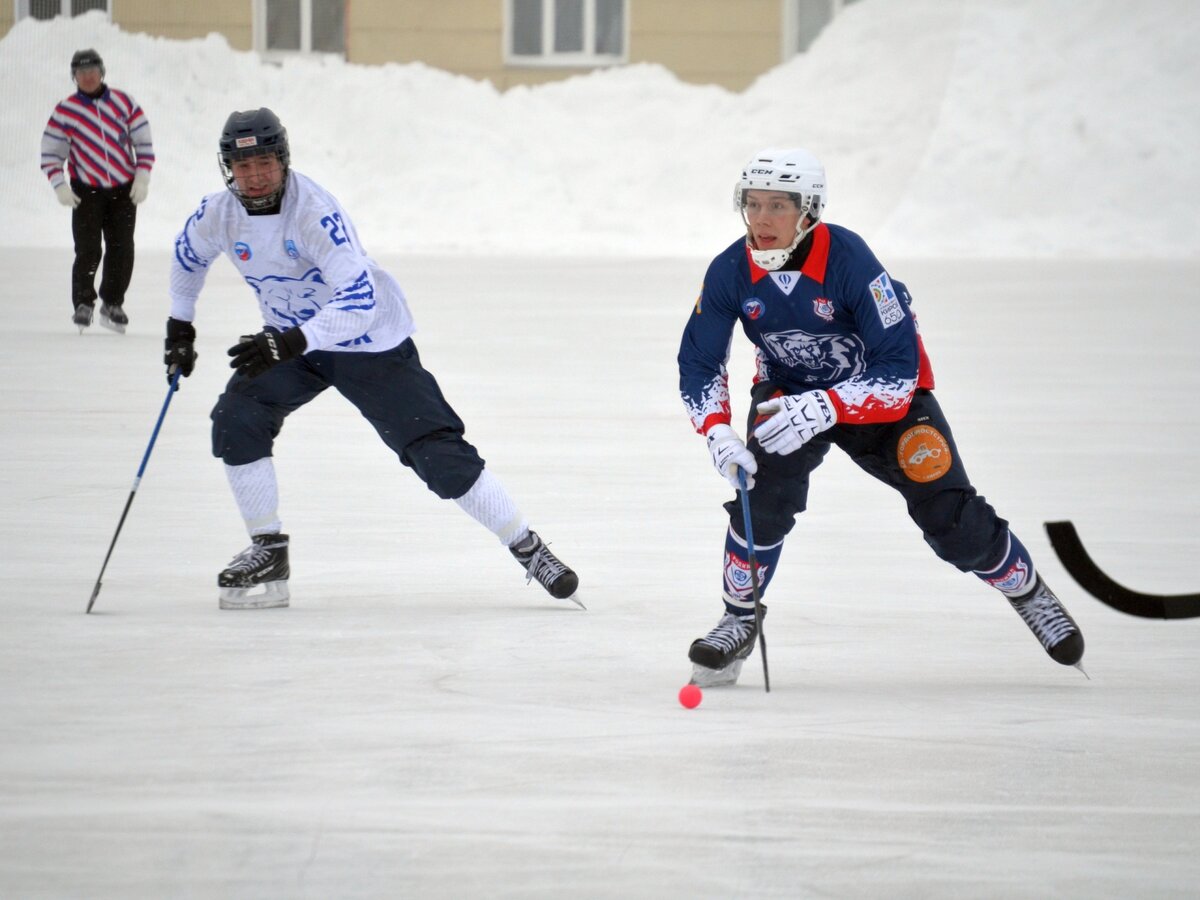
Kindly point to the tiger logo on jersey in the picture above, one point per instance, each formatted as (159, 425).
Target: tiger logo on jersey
(827, 357)
(289, 300)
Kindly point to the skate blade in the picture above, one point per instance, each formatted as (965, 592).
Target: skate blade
(704, 677)
(109, 324)
(275, 594)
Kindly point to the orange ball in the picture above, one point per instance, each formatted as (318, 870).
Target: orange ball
(690, 696)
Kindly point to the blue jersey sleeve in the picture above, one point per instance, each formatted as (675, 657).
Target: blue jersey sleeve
(704, 350)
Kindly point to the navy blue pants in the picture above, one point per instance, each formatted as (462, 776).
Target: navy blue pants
(916, 456)
(392, 390)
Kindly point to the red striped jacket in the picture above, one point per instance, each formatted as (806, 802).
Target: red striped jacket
(103, 141)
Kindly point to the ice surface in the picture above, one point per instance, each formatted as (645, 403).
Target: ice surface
(422, 723)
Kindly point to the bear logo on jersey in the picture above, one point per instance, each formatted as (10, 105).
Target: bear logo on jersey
(286, 299)
(828, 357)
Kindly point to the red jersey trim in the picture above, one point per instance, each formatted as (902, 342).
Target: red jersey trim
(814, 266)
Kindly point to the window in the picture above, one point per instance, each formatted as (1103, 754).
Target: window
(803, 20)
(300, 26)
(49, 9)
(565, 32)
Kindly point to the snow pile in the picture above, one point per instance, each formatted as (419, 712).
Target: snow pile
(1011, 128)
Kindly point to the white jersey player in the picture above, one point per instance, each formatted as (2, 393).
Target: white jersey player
(332, 318)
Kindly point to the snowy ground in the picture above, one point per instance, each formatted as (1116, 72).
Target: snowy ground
(421, 723)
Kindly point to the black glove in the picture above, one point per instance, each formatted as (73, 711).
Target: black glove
(255, 353)
(181, 351)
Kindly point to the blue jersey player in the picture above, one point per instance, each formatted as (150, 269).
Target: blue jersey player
(840, 362)
(332, 318)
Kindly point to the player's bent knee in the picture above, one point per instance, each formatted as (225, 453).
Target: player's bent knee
(445, 461)
(961, 528)
(242, 430)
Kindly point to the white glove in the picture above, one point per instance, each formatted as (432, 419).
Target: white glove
(729, 454)
(66, 196)
(140, 187)
(795, 420)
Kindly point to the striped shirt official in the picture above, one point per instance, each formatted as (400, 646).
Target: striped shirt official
(103, 141)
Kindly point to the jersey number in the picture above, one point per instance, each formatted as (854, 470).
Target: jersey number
(333, 224)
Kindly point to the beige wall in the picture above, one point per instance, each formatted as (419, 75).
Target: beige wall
(708, 41)
(6, 17)
(703, 41)
(182, 19)
(462, 36)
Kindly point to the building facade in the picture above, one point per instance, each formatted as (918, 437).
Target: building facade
(506, 42)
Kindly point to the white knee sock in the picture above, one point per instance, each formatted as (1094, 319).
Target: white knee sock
(489, 504)
(257, 494)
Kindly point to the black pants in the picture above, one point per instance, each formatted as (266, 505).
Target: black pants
(915, 456)
(392, 390)
(106, 213)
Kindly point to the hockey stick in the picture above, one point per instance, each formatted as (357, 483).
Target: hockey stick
(136, 481)
(1075, 559)
(758, 611)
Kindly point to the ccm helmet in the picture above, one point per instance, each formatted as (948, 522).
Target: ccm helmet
(255, 132)
(86, 59)
(799, 174)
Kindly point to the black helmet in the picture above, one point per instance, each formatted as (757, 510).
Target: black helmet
(255, 132)
(86, 59)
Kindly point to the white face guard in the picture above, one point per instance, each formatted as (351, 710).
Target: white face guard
(774, 258)
(795, 172)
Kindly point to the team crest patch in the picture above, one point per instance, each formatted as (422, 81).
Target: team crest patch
(737, 575)
(242, 251)
(923, 454)
(887, 304)
(823, 308)
(1012, 579)
(290, 246)
(753, 308)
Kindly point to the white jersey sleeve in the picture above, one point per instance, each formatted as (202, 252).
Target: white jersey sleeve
(196, 246)
(305, 265)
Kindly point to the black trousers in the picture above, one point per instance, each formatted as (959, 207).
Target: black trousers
(392, 390)
(108, 214)
(916, 456)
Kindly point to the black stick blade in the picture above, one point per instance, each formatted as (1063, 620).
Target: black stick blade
(1075, 559)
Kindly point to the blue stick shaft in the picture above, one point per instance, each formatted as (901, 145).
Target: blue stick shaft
(744, 493)
(136, 481)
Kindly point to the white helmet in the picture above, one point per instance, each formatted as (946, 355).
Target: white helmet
(797, 172)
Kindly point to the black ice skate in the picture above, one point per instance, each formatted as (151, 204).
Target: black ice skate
(718, 656)
(546, 569)
(83, 316)
(264, 564)
(1051, 624)
(113, 317)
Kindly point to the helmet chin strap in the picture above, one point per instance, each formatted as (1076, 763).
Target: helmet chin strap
(773, 259)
